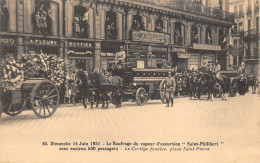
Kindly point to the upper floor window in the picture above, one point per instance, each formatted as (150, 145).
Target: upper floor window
(195, 34)
(179, 34)
(46, 18)
(240, 10)
(4, 19)
(110, 25)
(138, 24)
(159, 25)
(80, 21)
(235, 10)
(222, 38)
(240, 27)
(208, 36)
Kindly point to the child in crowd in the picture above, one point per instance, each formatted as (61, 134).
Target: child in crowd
(74, 90)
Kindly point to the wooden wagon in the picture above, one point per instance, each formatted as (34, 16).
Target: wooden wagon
(37, 94)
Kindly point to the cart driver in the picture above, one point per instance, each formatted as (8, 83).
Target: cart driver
(120, 56)
(218, 67)
(169, 89)
(205, 63)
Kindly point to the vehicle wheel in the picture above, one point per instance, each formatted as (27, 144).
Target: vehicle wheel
(13, 109)
(44, 99)
(162, 92)
(141, 96)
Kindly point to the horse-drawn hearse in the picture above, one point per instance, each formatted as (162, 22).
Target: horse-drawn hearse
(37, 94)
(122, 83)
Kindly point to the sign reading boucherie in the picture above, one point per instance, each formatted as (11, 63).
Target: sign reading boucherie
(147, 36)
(206, 47)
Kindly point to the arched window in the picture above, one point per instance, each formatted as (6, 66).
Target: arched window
(80, 21)
(222, 37)
(179, 34)
(110, 25)
(138, 23)
(208, 36)
(159, 25)
(195, 34)
(46, 18)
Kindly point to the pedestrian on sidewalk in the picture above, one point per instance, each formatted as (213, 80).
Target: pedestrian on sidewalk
(74, 90)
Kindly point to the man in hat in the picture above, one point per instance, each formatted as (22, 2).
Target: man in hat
(217, 67)
(204, 62)
(170, 86)
(120, 56)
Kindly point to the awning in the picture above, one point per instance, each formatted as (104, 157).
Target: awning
(183, 55)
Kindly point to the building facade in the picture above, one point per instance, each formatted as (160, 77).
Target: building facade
(90, 32)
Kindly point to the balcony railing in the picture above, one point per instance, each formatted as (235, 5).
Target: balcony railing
(193, 8)
(238, 32)
(251, 32)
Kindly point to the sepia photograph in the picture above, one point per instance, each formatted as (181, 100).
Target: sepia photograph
(127, 81)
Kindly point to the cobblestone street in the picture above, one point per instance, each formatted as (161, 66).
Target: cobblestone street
(235, 122)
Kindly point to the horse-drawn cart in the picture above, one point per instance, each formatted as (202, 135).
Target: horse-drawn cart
(37, 94)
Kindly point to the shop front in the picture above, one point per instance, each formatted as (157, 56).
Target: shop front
(81, 54)
(158, 57)
(45, 45)
(198, 51)
(8, 45)
(137, 54)
(108, 53)
(179, 58)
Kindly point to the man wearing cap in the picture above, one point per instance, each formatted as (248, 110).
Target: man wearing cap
(218, 67)
(204, 62)
(120, 56)
(169, 88)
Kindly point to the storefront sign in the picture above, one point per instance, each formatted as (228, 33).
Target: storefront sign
(40, 41)
(206, 47)
(183, 55)
(78, 53)
(137, 47)
(159, 48)
(180, 50)
(147, 36)
(8, 41)
(80, 44)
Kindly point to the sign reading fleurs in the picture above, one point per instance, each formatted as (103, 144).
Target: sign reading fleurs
(80, 44)
(147, 36)
(206, 47)
(39, 41)
(7, 41)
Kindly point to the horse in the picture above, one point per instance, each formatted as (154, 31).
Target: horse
(224, 85)
(252, 82)
(209, 80)
(107, 84)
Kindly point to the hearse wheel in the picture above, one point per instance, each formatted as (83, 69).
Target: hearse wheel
(45, 99)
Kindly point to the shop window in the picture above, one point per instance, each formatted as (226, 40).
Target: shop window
(46, 18)
(138, 24)
(179, 34)
(81, 21)
(4, 17)
(208, 36)
(195, 34)
(110, 25)
(159, 26)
